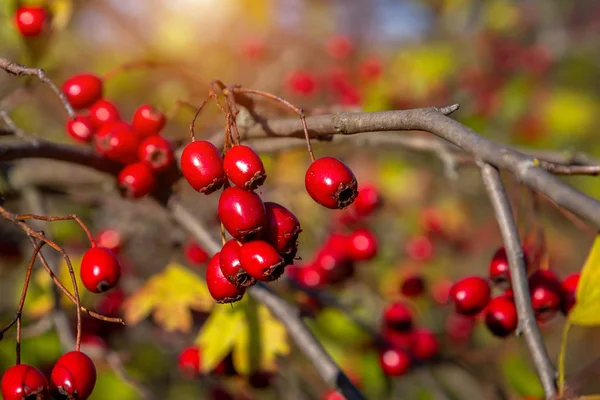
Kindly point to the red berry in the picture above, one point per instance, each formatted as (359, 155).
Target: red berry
(339, 47)
(367, 201)
(331, 183)
(413, 286)
(302, 83)
(81, 128)
(157, 152)
(117, 141)
(333, 259)
(283, 229)
(394, 362)
(23, 381)
(398, 317)
(362, 245)
(100, 270)
(569, 288)
(261, 261)
(370, 69)
(333, 395)
(419, 248)
(231, 266)
(74, 374)
(309, 276)
(499, 268)
(31, 20)
(425, 344)
(501, 316)
(202, 166)
(103, 112)
(459, 327)
(403, 340)
(194, 253)
(244, 168)
(110, 303)
(242, 213)
(546, 294)
(440, 291)
(148, 121)
(83, 90)
(219, 287)
(470, 295)
(136, 180)
(189, 361)
(110, 239)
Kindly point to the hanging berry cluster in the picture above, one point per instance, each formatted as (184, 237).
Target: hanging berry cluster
(137, 145)
(264, 235)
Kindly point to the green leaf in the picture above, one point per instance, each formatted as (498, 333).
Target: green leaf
(521, 377)
(587, 307)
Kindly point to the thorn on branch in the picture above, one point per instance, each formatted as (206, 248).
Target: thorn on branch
(448, 109)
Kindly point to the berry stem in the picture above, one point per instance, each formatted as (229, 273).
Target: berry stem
(198, 110)
(562, 357)
(72, 217)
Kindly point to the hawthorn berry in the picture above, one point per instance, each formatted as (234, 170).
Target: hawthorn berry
(81, 128)
(501, 316)
(83, 90)
(103, 112)
(242, 213)
(219, 287)
(231, 266)
(339, 47)
(74, 375)
(370, 69)
(425, 344)
(412, 286)
(202, 166)
(394, 362)
(309, 276)
(188, 361)
(261, 261)
(398, 317)
(367, 200)
(546, 294)
(440, 291)
(136, 180)
(100, 270)
(333, 259)
(331, 183)
(244, 168)
(194, 253)
(419, 248)
(111, 303)
(302, 83)
(148, 121)
(110, 239)
(403, 340)
(31, 20)
(283, 229)
(362, 245)
(459, 328)
(157, 152)
(117, 141)
(470, 295)
(333, 395)
(569, 287)
(23, 381)
(499, 268)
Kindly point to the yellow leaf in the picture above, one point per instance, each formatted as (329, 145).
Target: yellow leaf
(62, 11)
(569, 112)
(273, 339)
(587, 307)
(169, 296)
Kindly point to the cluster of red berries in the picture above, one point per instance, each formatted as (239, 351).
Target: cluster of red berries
(138, 145)
(31, 20)
(73, 376)
(472, 296)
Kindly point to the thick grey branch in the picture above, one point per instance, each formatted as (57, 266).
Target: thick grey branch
(520, 287)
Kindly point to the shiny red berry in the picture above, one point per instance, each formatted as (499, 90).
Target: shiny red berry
(394, 362)
(242, 213)
(309, 276)
(546, 294)
(333, 259)
(569, 288)
(136, 180)
(189, 361)
(367, 201)
(219, 287)
(194, 253)
(110, 239)
(81, 128)
(202, 166)
(501, 316)
(362, 245)
(244, 168)
(283, 229)
(31, 20)
(398, 317)
(231, 265)
(100, 270)
(148, 121)
(470, 295)
(83, 90)
(412, 286)
(425, 344)
(331, 183)
(23, 381)
(117, 141)
(103, 112)
(157, 152)
(74, 374)
(261, 261)
(499, 269)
